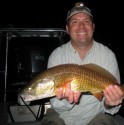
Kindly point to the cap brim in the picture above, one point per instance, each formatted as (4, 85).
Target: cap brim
(76, 12)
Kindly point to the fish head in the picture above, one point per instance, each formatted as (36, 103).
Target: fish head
(38, 90)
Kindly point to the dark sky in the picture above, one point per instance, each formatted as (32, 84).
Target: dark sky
(108, 15)
(52, 13)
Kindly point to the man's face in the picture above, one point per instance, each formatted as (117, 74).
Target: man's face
(80, 28)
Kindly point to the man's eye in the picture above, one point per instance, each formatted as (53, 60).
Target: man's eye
(87, 21)
(74, 21)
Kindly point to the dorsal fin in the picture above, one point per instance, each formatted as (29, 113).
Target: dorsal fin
(100, 70)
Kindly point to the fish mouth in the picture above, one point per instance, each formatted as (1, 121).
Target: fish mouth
(27, 98)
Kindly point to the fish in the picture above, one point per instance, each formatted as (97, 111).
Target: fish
(87, 78)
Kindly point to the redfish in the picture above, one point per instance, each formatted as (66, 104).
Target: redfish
(82, 78)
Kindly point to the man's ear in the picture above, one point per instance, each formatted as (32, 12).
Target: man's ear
(67, 28)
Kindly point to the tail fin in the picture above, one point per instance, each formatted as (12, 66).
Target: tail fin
(122, 87)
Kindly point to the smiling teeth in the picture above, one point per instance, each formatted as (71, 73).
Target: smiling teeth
(82, 33)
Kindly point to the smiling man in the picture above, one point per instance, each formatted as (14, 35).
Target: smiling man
(72, 107)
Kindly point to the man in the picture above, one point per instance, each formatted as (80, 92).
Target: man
(73, 107)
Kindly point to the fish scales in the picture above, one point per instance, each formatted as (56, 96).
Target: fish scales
(83, 78)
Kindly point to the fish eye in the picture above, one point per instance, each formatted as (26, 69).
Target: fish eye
(29, 89)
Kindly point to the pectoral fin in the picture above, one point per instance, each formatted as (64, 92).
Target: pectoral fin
(98, 95)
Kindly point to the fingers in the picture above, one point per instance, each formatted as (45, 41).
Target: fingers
(70, 97)
(113, 95)
(59, 93)
(77, 96)
(68, 94)
(68, 91)
(119, 91)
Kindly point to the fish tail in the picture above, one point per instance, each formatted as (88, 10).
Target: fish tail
(122, 87)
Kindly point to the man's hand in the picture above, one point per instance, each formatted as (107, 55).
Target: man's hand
(67, 93)
(113, 96)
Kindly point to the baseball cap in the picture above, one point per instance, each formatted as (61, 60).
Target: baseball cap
(79, 7)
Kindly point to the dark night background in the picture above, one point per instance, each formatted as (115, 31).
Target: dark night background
(108, 18)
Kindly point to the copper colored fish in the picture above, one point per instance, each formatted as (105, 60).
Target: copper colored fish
(83, 78)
